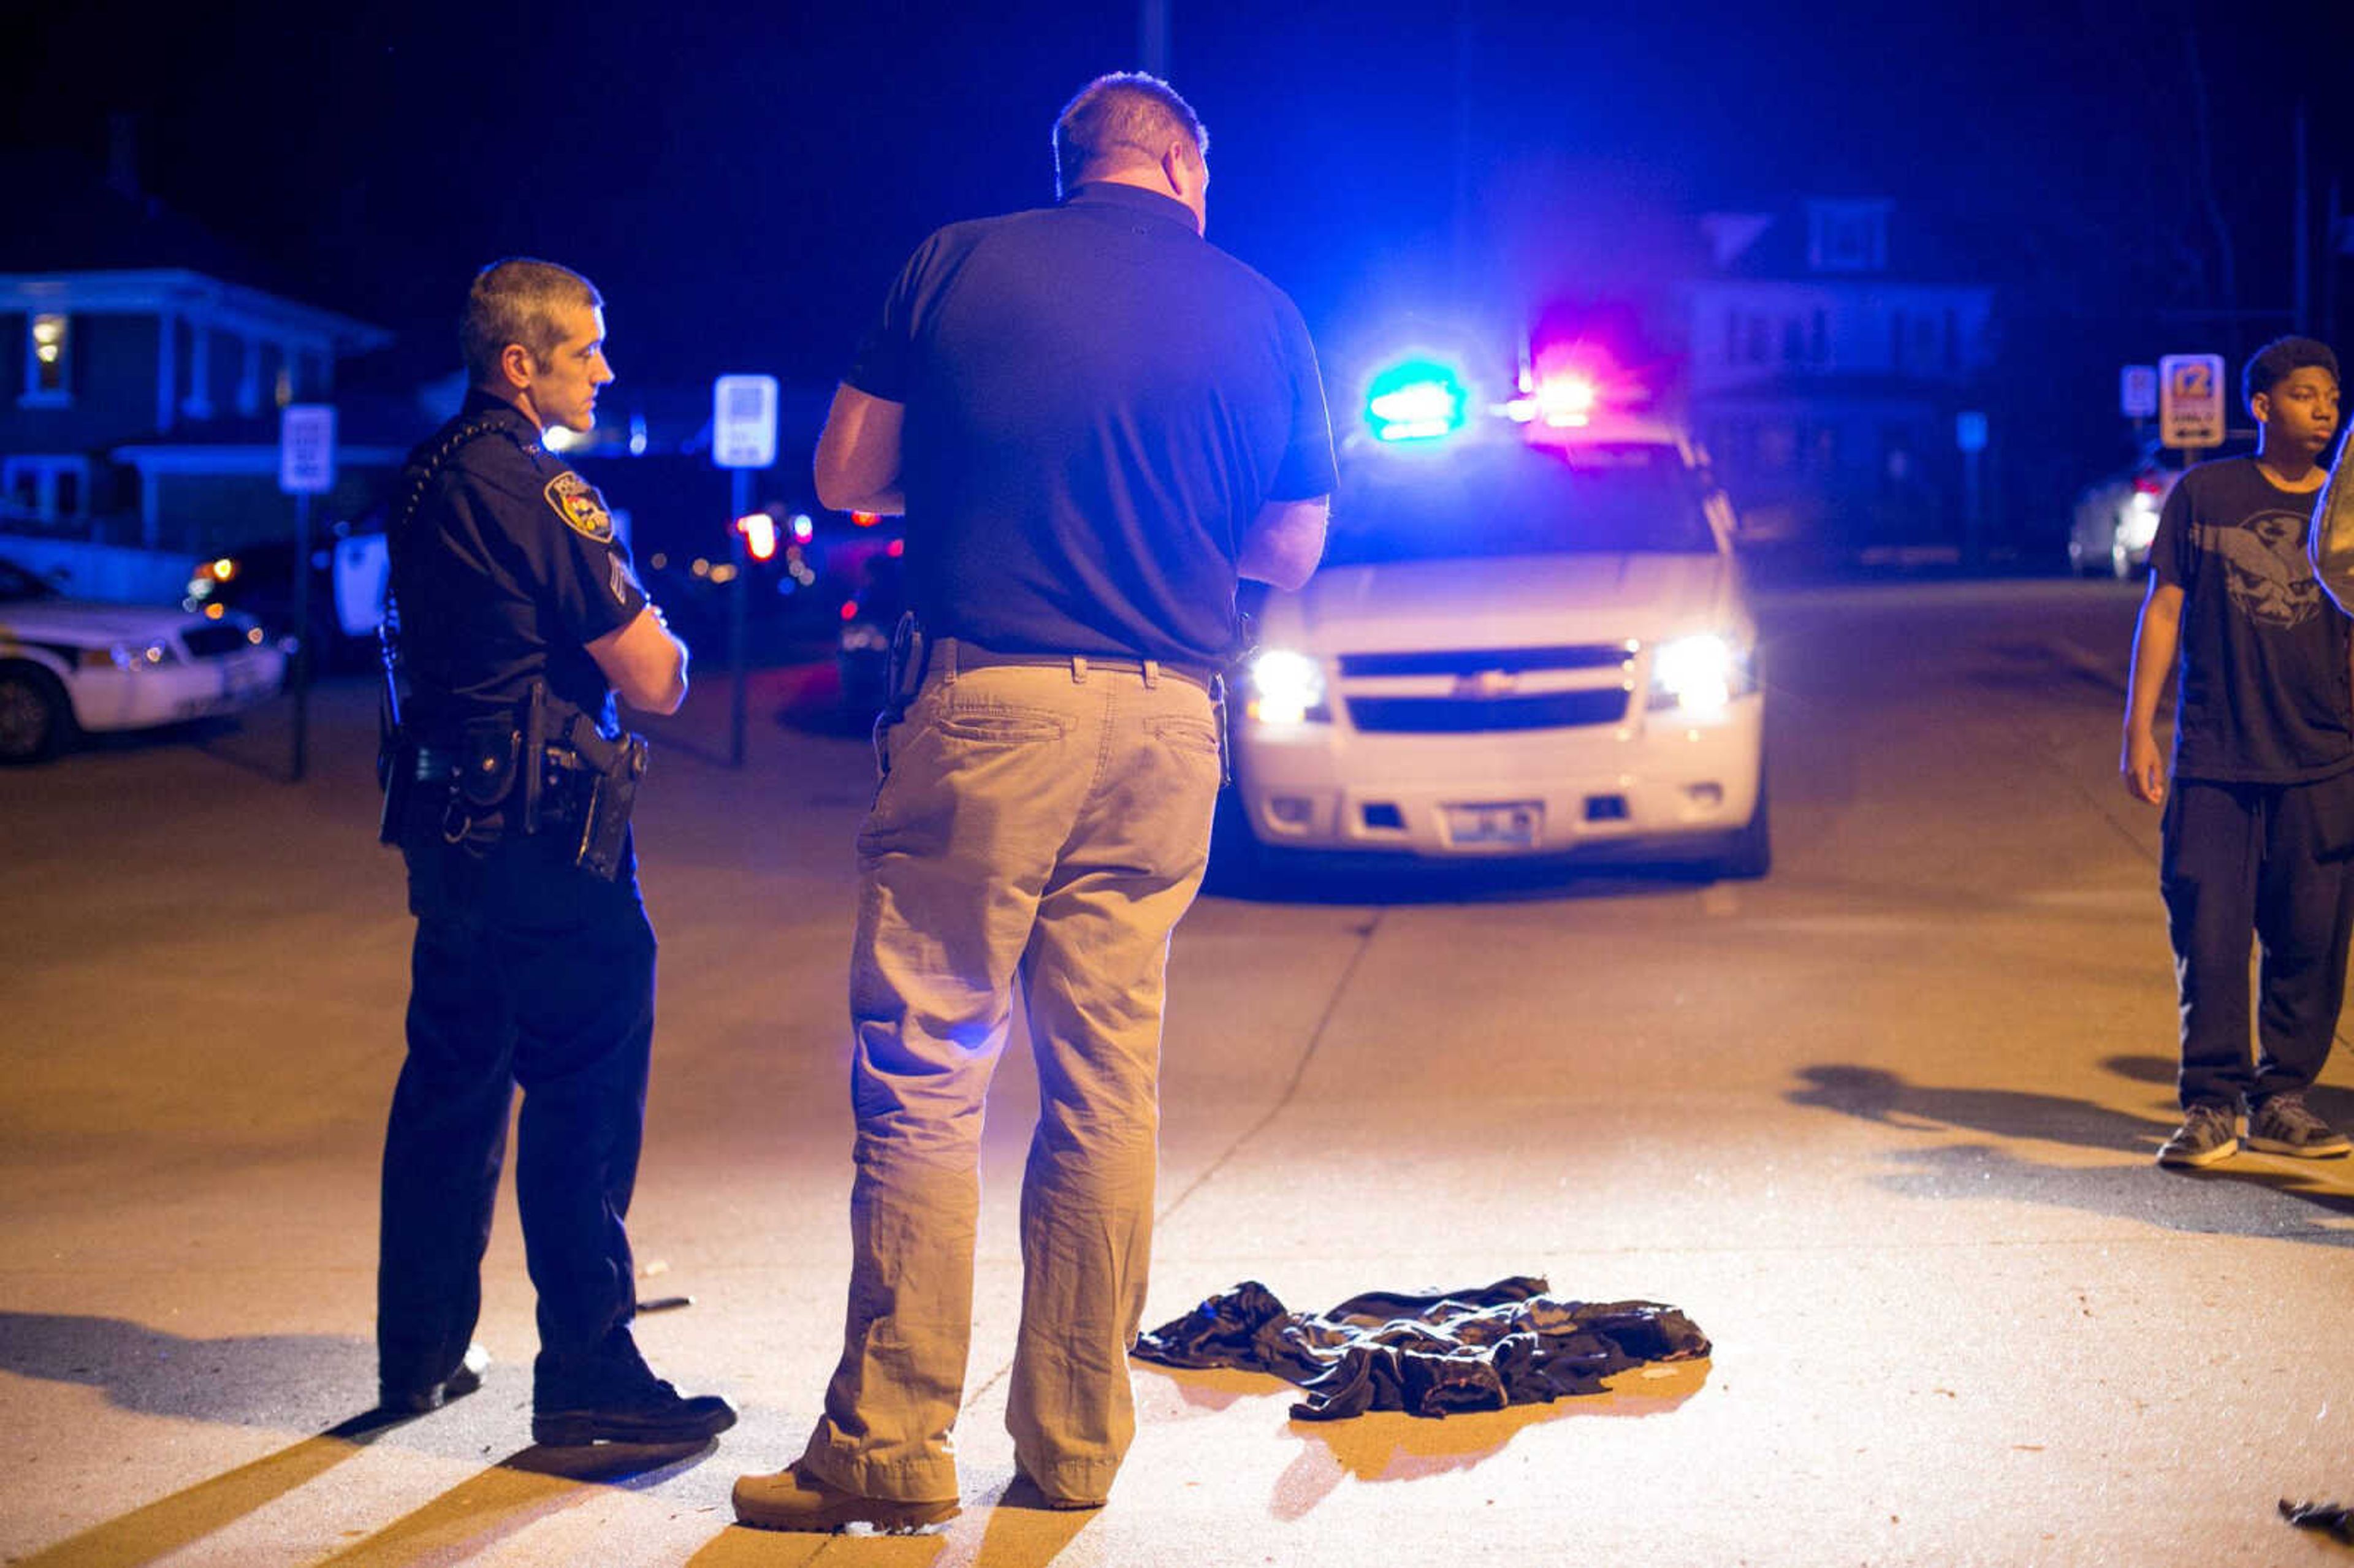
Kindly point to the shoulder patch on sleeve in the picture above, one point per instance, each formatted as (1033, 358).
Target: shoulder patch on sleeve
(583, 510)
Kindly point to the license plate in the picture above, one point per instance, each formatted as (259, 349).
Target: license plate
(1508, 824)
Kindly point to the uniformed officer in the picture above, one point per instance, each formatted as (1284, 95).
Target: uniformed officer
(516, 620)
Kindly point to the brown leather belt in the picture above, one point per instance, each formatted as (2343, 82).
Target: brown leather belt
(962, 655)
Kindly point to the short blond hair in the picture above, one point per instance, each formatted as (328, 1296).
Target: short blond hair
(1122, 118)
(515, 300)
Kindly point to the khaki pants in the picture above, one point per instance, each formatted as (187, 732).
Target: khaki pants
(1048, 824)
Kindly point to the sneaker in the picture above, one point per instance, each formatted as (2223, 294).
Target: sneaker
(2283, 1125)
(613, 1396)
(792, 1499)
(2208, 1133)
(425, 1398)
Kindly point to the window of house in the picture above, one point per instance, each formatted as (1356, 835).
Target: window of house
(48, 358)
(1847, 236)
(1818, 338)
(1759, 340)
(44, 489)
(1794, 342)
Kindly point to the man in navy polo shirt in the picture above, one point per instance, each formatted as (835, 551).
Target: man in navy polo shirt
(1093, 421)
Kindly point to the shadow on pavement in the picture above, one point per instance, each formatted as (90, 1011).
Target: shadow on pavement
(1390, 1446)
(2243, 1197)
(518, 1490)
(263, 1380)
(1876, 1095)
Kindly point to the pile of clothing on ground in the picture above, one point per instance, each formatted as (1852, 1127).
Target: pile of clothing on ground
(2333, 1519)
(1435, 1353)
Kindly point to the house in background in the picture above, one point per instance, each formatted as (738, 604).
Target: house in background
(141, 379)
(1829, 366)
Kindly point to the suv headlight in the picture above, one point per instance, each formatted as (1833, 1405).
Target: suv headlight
(1699, 676)
(1286, 688)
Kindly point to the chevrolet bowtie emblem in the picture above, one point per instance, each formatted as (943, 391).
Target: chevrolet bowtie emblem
(1487, 683)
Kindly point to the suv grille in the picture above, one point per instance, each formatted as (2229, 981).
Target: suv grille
(1469, 690)
(1466, 715)
(211, 639)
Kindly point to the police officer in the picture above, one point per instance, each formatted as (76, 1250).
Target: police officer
(516, 620)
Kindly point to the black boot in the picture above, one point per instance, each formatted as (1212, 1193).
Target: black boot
(422, 1397)
(611, 1395)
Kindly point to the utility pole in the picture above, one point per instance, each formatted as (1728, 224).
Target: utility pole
(1152, 37)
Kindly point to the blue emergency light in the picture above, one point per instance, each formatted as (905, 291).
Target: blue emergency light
(1419, 401)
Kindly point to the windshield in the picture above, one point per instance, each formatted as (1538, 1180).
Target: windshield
(18, 585)
(1508, 499)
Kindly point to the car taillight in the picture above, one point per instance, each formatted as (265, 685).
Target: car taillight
(2146, 485)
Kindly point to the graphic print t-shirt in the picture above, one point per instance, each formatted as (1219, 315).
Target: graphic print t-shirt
(2264, 694)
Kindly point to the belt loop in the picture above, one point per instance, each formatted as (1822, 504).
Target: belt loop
(1079, 670)
(1151, 673)
(947, 645)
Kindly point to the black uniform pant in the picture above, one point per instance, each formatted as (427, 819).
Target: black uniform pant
(2266, 863)
(527, 970)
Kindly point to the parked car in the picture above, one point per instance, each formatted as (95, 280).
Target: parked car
(1517, 646)
(349, 573)
(2116, 517)
(68, 666)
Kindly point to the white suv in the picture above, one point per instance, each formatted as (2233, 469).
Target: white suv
(1519, 644)
(68, 666)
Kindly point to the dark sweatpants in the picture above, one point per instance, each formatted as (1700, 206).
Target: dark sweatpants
(2242, 862)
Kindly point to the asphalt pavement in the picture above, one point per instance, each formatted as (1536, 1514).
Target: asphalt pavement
(1881, 1124)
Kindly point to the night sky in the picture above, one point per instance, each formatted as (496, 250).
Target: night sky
(741, 181)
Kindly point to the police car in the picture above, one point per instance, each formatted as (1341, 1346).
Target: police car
(66, 666)
(1528, 638)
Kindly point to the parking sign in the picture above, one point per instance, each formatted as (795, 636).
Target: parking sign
(2190, 401)
(2137, 391)
(744, 421)
(306, 449)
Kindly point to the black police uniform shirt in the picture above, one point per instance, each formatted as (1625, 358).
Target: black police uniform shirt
(508, 568)
(1098, 402)
(2263, 695)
